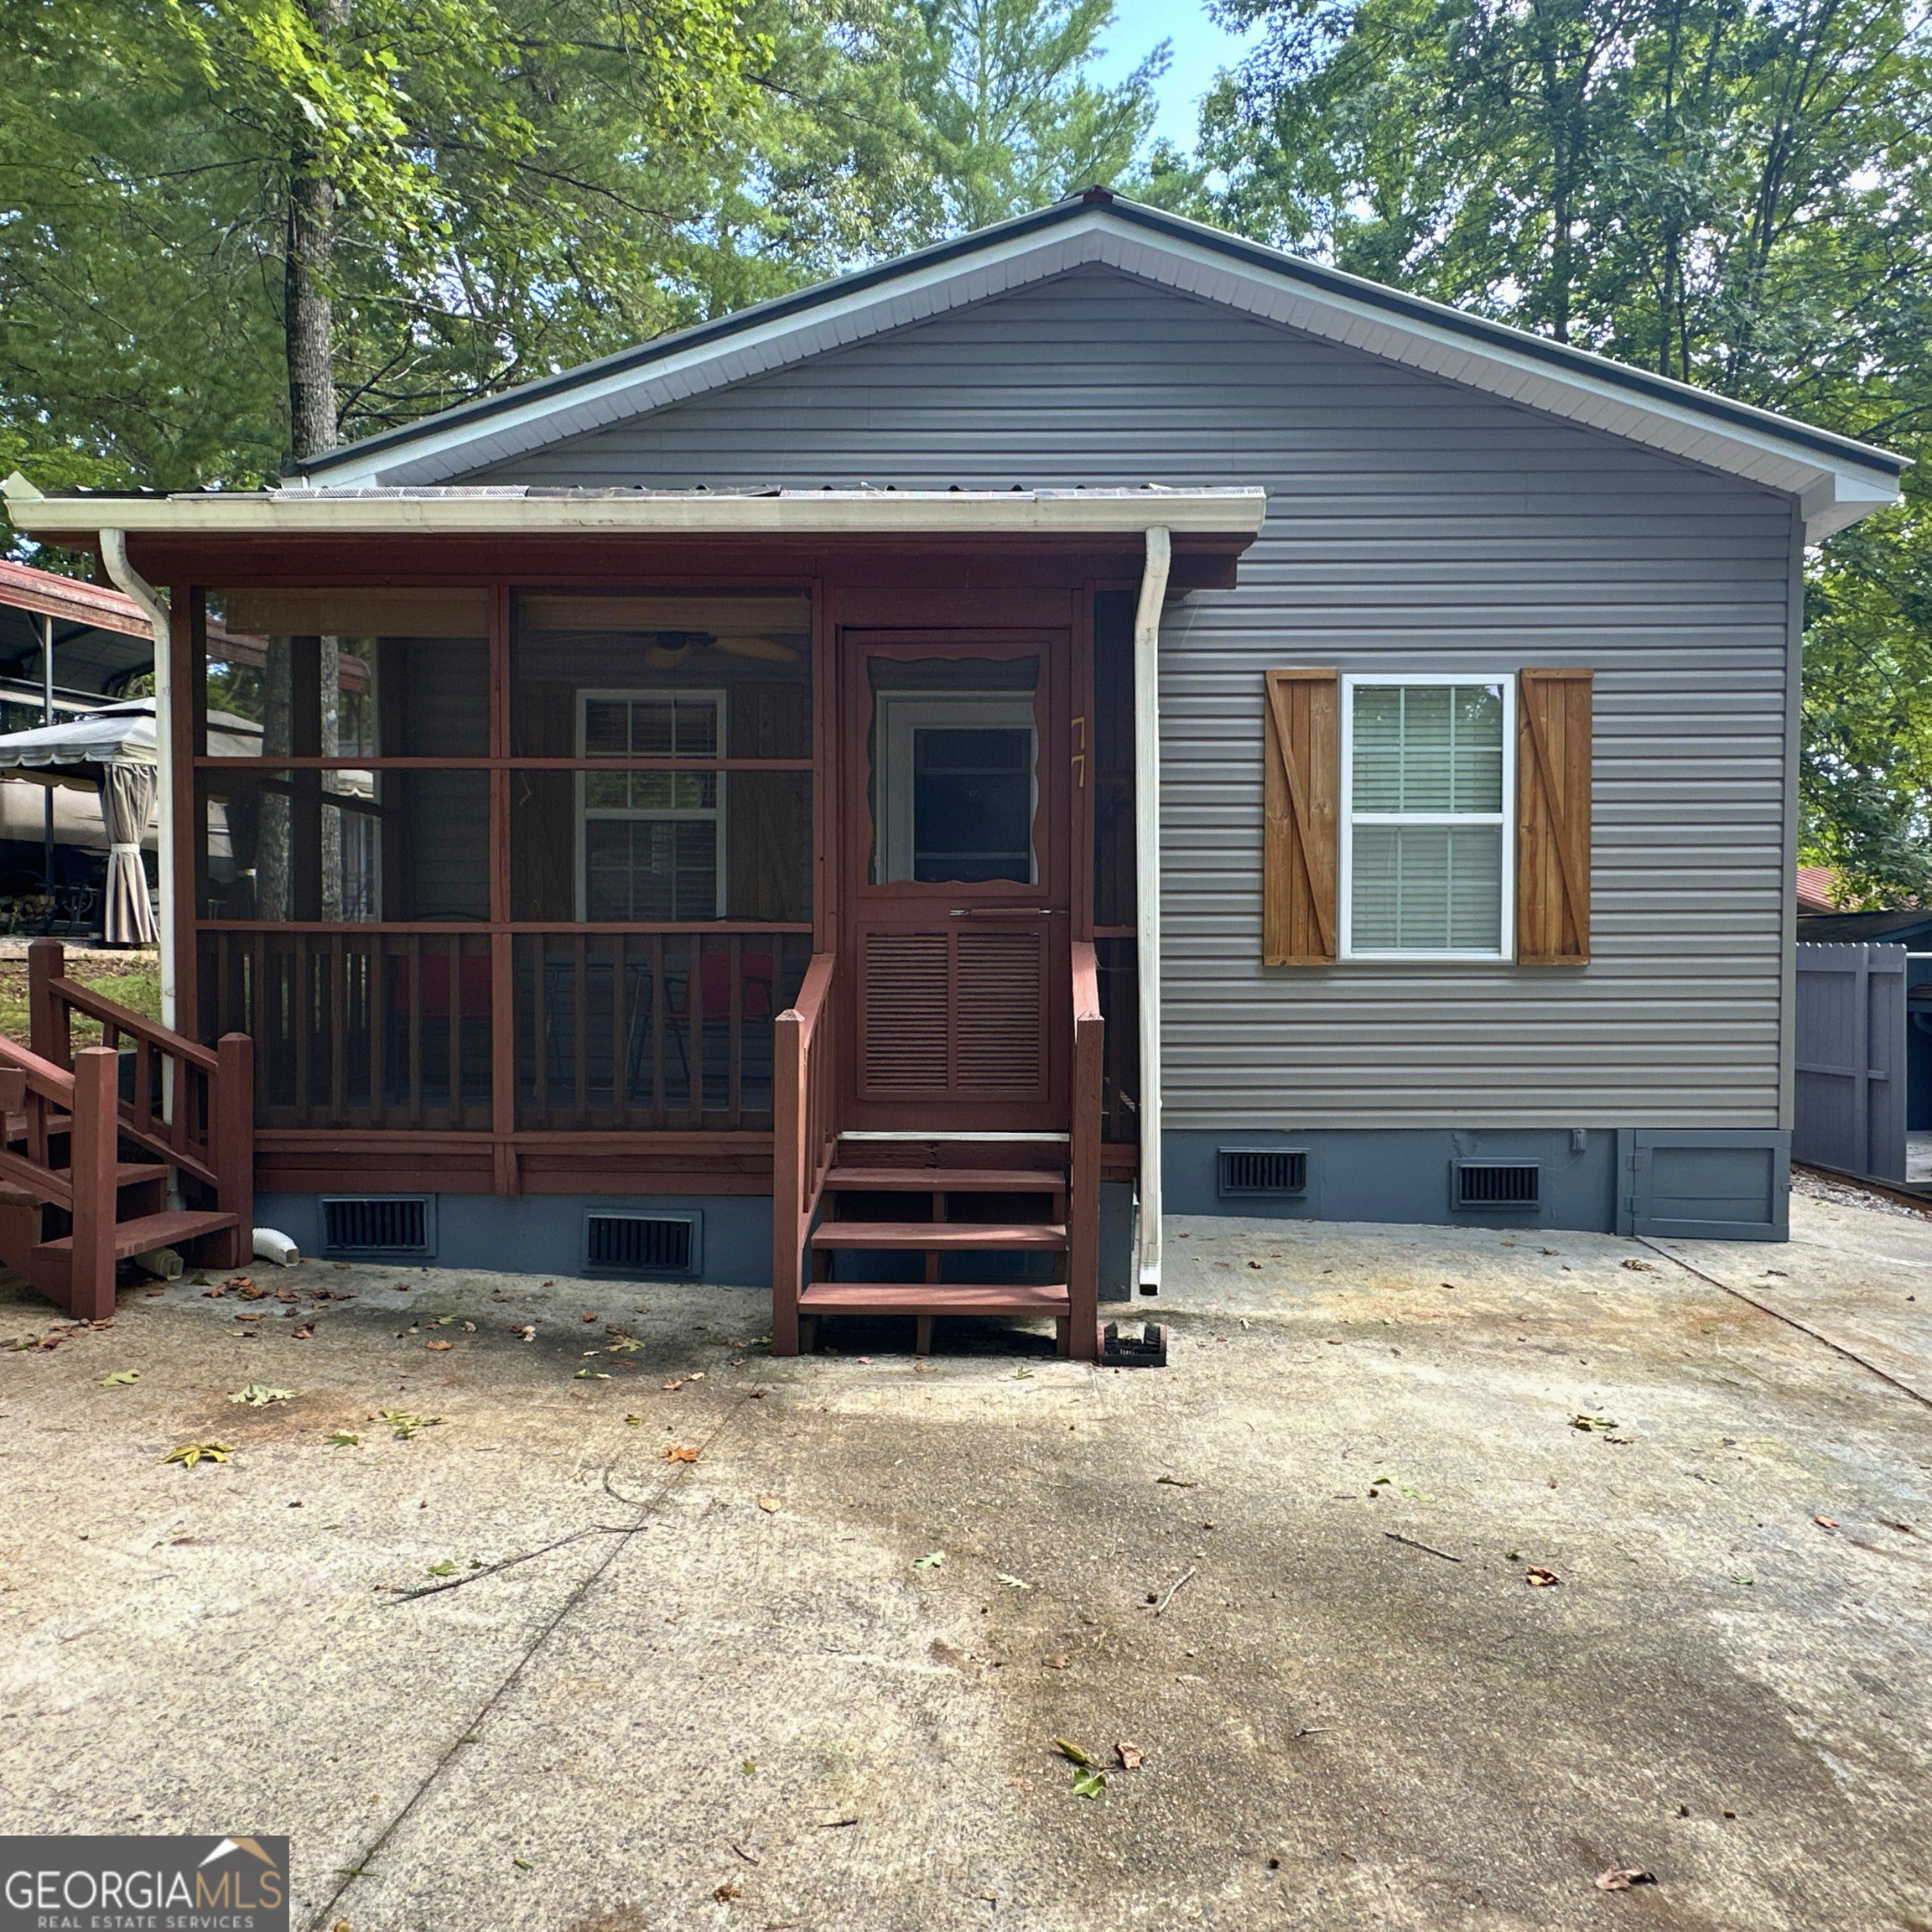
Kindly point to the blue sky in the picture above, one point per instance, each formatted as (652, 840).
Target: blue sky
(1200, 50)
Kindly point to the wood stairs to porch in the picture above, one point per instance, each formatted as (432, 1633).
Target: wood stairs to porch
(94, 1143)
(845, 1204)
(898, 1170)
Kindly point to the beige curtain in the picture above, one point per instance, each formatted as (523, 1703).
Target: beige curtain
(127, 800)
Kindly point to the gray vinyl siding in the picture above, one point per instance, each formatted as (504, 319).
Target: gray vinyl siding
(1411, 525)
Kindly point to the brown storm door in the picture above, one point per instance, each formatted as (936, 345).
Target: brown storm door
(956, 879)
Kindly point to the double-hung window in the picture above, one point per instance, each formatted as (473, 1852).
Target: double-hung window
(649, 845)
(1428, 803)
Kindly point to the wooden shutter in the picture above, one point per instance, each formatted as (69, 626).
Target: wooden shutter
(1553, 819)
(1301, 795)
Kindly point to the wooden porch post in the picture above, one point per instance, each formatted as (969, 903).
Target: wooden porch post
(94, 1144)
(234, 1130)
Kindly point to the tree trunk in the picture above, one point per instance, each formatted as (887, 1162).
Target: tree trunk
(308, 319)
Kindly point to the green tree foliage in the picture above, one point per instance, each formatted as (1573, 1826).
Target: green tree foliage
(1735, 193)
(234, 230)
(1008, 119)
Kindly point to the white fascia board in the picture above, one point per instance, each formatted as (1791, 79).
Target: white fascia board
(1759, 455)
(1835, 491)
(836, 324)
(1233, 511)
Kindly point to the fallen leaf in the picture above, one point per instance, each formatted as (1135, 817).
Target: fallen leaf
(588, 1317)
(675, 1455)
(1642, 1267)
(1539, 1578)
(306, 1332)
(635, 1421)
(1131, 1756)
(345, 1438)
(670, 1386)
(522, 1864)
(528, 1332)
(1090, 1784)
(259, 1395)
(623, 1344)
(1254, 1264)
(190, 1453)
(770, 1505)
(1621, 1879)
(582, 1374)
(1825, 1522)
(1181, 1482)
(121, 1379)
(447, 1567)
(1055, 1663)
(439, 1345)
(725, 1893)
(1071, 1751)
(931, 1560)
(1014, 1582)
(406, 1424)
(1601, 1424)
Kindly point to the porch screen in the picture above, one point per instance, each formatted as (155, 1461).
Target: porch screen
(687, 721)
(486, 861)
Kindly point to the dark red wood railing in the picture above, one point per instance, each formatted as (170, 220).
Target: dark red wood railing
(805, 1133)
(1083, 1179)
(67, 1116)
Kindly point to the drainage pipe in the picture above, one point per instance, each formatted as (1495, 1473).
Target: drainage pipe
(1147, 890)
(127, 579)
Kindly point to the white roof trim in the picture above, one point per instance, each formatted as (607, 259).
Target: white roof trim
(454, 511)
(1834, 489)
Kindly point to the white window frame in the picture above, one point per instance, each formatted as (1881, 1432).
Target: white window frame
(1503, 681)
(899, 714)
(632, 814)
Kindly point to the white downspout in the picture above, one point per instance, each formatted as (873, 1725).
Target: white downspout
(1147, 889)
(114, 555)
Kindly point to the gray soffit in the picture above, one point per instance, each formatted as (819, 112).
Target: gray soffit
(1836, 480)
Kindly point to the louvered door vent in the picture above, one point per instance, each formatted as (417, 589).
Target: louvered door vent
(378, 1226)
(1262, 1171)
(1499, 1184)
(655, 1245)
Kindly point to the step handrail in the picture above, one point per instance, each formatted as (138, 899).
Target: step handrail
(1083, 1152)
(192, 1108)
(805, 1073)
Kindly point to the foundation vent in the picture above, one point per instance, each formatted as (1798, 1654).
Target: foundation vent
(1499, 1184)
(1253, 1171)
(618, 1242)
(379, 1226)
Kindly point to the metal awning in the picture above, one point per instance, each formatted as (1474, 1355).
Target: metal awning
(488, 510)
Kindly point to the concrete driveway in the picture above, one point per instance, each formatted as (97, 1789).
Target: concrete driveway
(814, 1678)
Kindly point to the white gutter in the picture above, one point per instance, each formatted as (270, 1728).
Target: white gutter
(1147, 889)
(114, 555)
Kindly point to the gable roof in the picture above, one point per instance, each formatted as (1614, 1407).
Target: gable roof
(1836, 480)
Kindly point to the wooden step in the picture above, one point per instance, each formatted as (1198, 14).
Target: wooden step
(126, 1173)
(929, 1235)
(947, 1180)
(149, 1231)
(932, 1298)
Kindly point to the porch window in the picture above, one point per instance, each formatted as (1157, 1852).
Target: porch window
(1427, 824)
(648, 846)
